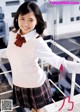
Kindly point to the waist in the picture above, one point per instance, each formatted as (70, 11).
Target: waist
(29, 80)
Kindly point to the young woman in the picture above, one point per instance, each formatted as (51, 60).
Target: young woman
(25, 47)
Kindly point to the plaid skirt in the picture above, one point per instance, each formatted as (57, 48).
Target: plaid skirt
(35, 98)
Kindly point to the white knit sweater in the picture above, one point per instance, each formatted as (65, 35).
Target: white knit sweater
(23, 60)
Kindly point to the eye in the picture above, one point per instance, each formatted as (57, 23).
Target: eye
(31, 20)
(22, 18)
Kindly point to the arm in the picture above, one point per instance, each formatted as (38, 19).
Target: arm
(3, 53)
(44, 52)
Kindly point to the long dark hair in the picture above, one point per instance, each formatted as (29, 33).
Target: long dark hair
(27, 7)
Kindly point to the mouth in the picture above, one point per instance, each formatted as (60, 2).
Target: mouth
(25, 28)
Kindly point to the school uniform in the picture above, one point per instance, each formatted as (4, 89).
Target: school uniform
(31, 88)
(30, 84)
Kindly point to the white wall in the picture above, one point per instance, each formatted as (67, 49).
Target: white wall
(67, 28)
(7, 10)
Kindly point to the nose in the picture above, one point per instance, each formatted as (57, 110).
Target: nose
(26, 23)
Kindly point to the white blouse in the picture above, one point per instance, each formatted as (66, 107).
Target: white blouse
(24, 60)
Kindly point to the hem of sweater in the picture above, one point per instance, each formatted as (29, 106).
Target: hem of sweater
(31, 86)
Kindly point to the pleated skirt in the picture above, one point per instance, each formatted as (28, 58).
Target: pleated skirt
(33, 97)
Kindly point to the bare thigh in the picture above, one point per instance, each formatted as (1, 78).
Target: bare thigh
(38, 110)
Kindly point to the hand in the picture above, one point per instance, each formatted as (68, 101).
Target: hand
(63, 71)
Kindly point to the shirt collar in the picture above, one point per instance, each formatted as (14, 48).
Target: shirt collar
(28, 35)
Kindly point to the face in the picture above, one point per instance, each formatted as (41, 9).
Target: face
(27, 22)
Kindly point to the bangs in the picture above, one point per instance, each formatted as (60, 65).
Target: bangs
(25, 11)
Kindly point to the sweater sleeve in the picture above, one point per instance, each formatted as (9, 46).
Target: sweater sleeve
(45, 53)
